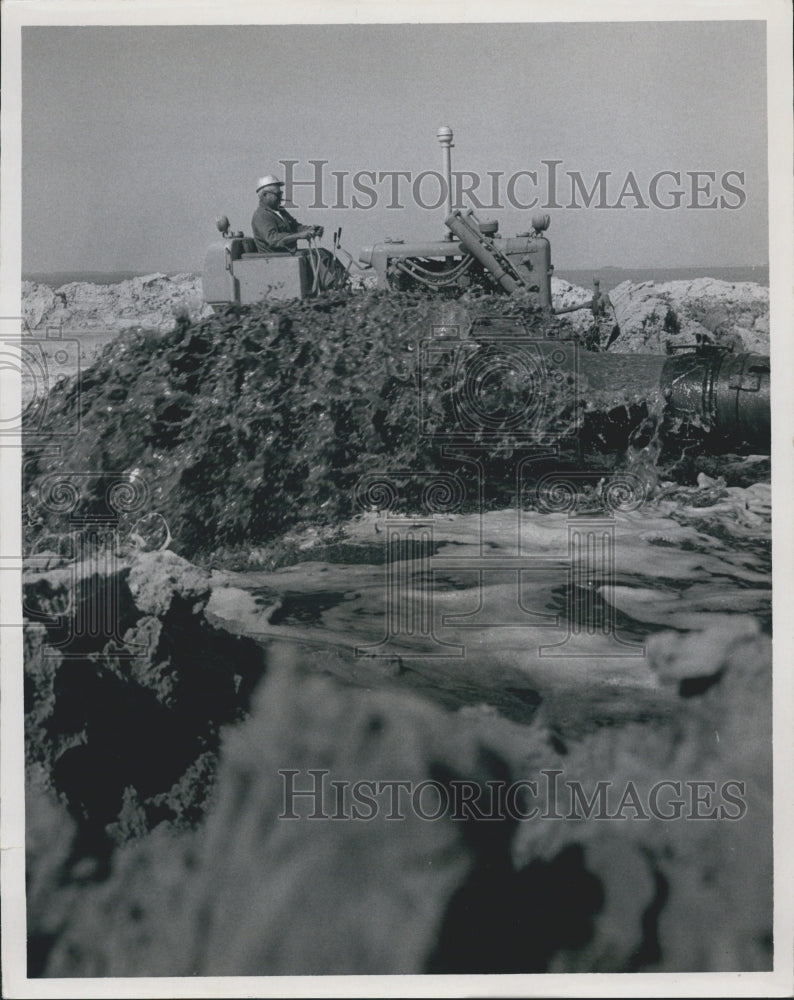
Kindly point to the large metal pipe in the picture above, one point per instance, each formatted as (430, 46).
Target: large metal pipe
(709, 395)
(710, 398)
(725, 394)
(498, 266)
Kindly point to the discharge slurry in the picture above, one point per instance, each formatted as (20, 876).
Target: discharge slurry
(248, 428)
(560, 603)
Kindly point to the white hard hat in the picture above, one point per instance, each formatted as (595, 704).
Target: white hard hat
(269, 180)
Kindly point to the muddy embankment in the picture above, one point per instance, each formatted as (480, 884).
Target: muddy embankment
(581, 723)
(651, 315)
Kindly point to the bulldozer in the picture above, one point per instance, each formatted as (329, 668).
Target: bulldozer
(471, 254)
(721, 398)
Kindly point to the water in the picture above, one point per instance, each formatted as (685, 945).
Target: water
(55, 279)
(556, 603)
(611, 277)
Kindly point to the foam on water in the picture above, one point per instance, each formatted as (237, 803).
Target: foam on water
(514, 600)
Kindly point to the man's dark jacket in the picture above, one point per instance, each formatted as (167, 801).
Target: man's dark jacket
(270, 227)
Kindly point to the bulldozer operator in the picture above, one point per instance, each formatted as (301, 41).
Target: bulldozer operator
(276, 231)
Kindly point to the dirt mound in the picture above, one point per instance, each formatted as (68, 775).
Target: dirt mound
(653, 318)
(249, 422)
(152, 302)
(124, 720)
(245, 424)
(66, 328)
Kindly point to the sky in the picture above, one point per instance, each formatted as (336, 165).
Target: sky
(135, 139)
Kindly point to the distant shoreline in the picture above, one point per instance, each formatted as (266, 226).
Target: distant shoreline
(610, 277)
(55, 279)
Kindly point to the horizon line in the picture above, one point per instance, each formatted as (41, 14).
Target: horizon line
(557, 267)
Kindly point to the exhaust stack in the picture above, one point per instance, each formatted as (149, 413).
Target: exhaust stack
(444, 136)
